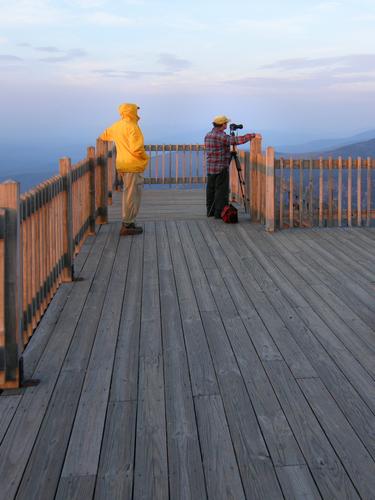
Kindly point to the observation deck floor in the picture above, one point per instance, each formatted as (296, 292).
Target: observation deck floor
(200, 360)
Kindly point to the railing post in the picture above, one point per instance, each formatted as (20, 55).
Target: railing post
(270, 190)
(91, 159)
(109, 172)
(11, 345)
(255, 150)
(66, 172)
(103, 195)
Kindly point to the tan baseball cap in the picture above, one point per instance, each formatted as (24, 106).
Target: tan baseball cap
(221, 119)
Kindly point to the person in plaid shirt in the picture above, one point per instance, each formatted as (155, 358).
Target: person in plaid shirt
(218, 148)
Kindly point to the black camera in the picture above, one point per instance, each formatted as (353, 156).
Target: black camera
(234, 127)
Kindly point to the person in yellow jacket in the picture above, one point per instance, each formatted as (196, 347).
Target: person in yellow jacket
(131, 161)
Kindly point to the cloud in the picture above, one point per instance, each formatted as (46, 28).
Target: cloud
(133, 75)
(111, 20)
(9, 58)
(68, 55)
(311, 82)
(354, 62)
(48, 49)
(173, 63)
(328, 6)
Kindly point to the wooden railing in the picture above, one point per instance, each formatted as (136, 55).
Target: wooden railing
(315, 192)
(176, 164)
(40, 233)
(42, 230)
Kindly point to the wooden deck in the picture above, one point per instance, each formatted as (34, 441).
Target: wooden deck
(201, 360)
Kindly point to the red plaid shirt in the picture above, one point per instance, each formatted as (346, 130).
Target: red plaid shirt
(217, 144)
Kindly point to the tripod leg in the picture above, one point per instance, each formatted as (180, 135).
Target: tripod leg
(241, 181)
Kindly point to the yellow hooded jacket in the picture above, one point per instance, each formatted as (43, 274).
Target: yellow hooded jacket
(128, 137)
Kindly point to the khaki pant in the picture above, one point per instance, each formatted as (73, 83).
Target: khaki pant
(131, 195)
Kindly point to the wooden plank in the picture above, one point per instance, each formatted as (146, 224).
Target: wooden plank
(151, 467)
(76, 488)
(318, 451)
(334, 334)
(320, 270)
(8, 407)
(43, 470)
(81, 346)
(274, 339)
(203, 377)
(257, 473)
(221, 469)
(124, 385)
(344, 393)
(358, 334)
(296, 483)
(44, 331)
(279, 438)
(16, 447)
(186, 478)
(82, 456)
(352, 452)
(116, 468)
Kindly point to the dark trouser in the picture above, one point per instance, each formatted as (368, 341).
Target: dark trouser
(217, 192)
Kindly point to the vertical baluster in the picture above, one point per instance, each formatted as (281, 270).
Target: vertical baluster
(330, 191)
(190, 163)
(359, 191)
(157, 163)
(24, 257)
(65, 170)
(291, 193)
(204, 173)
(311, 193)
(11, 294)
(177, 160)
(369, 187)
(170, 162)
(163, 163)
(349, 210)
(184, 164)
(281, 195)
(300, 204)
(321, 192)
(92, 187)
(339, 193)
(29, 290)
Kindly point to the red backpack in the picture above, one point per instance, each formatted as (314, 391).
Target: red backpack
(229, 214)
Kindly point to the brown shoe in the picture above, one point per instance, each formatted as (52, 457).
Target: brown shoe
(130, 230)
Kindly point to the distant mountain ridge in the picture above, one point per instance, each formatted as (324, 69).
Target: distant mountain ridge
(319, 145)
(363, 149)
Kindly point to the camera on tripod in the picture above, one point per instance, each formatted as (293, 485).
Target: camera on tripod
(234, 126)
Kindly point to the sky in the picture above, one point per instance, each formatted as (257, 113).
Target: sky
(294, 71)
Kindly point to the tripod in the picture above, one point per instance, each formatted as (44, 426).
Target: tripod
(234, 156)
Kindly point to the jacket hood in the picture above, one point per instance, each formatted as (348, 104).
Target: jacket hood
(128, 111)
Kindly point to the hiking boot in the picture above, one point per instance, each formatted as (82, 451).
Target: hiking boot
(130, 229)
